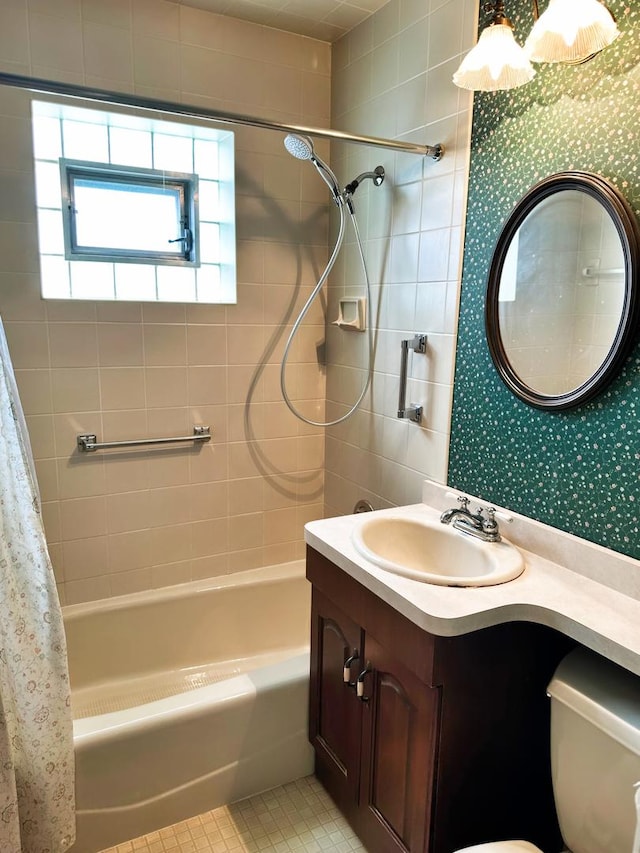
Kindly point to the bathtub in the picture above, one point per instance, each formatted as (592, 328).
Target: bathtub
(187, 698)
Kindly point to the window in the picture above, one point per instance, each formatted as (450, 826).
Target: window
(133, 208)
(112, 213)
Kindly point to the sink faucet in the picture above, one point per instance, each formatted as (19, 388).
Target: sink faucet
(478, 525)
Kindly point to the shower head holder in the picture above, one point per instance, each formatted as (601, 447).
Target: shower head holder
(377, 176)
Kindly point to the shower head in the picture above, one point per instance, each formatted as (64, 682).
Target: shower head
(301, 147)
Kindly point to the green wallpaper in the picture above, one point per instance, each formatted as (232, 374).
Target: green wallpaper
(577, 470)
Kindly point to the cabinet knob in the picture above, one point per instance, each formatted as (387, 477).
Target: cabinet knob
(346, 670)
(360, 683)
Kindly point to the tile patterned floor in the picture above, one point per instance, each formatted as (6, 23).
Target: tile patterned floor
(296, 818)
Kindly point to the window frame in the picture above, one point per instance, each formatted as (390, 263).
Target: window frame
(186, 186)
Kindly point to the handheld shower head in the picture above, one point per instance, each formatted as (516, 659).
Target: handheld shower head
(301, 147)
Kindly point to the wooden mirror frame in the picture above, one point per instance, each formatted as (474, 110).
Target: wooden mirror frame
(627, 227)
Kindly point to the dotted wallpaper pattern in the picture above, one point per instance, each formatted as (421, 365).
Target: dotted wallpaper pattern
(576, 470)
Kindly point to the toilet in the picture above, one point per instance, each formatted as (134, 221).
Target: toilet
(595, 758)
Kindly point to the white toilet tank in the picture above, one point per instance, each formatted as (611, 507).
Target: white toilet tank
(595, 752)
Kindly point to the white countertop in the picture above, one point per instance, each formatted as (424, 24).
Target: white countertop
(596, 601)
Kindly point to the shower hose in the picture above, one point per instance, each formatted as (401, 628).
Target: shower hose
(314, 295)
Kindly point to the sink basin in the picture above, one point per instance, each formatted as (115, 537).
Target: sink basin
(435, 553)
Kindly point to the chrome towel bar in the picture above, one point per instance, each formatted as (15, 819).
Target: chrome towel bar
(88, 442)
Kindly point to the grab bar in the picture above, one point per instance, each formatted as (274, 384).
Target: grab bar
(418, 344)
(595, 272)
(88, 442)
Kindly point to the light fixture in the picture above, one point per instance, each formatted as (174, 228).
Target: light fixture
(568, 31)
(571, 31)
(497, 61)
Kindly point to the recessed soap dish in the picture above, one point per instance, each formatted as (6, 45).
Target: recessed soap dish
(352, 313)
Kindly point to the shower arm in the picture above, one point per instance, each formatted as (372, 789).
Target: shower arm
(377, 176)
(54, 87)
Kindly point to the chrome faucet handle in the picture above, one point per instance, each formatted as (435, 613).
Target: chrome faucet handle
(463, 500)
(489, 524)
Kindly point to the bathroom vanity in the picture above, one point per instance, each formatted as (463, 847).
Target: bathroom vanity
(433, 742)
(428, 709)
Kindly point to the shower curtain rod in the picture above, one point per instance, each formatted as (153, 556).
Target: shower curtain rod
(53, 87)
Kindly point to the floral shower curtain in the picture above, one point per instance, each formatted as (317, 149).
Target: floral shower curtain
(36, 736)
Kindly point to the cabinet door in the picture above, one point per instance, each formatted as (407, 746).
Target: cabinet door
(335, 715)
(400, 718)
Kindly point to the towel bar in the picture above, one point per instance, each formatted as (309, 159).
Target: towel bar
(88, 443)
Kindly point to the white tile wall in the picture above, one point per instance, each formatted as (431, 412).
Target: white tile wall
(392, 78)
(120, 522)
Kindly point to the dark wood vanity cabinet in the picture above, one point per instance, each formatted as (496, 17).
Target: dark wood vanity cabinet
(375, 752)
(336, 722)
(448, 743)
(399, 726)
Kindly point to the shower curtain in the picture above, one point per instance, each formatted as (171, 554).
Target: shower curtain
(36, 735)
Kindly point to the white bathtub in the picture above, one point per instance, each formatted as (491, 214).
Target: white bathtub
(187, 698)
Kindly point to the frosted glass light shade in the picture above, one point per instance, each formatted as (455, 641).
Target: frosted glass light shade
(496, 62)
(570, 31)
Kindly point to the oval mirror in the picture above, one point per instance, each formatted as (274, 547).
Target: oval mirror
(562, 304)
